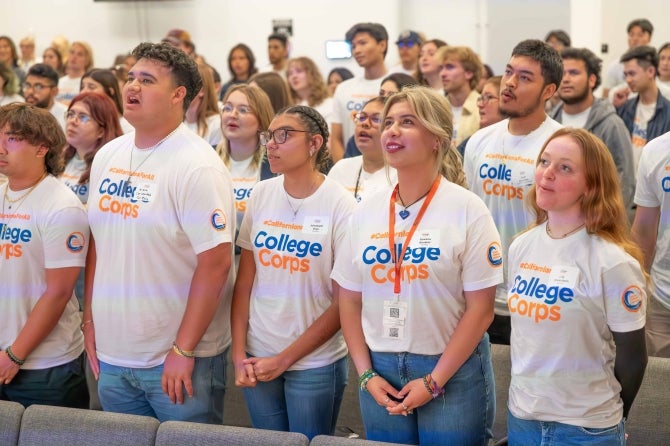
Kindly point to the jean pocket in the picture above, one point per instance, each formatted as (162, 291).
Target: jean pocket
(599, 431)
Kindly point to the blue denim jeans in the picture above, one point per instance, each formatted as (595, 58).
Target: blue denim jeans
(62, 385)
(139, 392)
(550, 433)
(462, 416)
(305, 401)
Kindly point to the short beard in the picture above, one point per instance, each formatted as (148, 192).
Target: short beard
(44, 103)
(522, 113)
(578, 99)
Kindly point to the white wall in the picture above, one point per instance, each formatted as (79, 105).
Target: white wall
(491, 27)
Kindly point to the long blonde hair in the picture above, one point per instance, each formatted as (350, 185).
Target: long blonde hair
(434, 113)
(318, 89)
(602, 204)
(261, 108)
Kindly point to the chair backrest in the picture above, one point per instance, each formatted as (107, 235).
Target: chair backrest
(327, 440)
(42, 425)
(10, 422)
(180, 433)
(648, 421)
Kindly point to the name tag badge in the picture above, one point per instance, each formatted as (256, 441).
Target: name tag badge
(316, 225)
(395, 313)
(145, 191)
(521, 178)
(428, 237)
(564, 276)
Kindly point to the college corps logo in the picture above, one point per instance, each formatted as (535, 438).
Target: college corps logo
(632, 298)
(218, 220)
(75, 242)
(494, 254)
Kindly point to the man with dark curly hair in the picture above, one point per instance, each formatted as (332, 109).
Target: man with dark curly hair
(159, 276)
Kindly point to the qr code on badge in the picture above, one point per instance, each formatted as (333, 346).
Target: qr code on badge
(394, 312)
(393, 332)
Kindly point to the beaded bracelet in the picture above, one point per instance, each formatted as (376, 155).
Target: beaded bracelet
(180, 352)
(365, 377)
(432, 386)
(13, 358)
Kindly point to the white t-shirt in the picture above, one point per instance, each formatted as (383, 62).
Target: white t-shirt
(653, 190)
(349, 173)
(455, 248)
(350, 96)
(70, 176)
(643, 113)
(500, 168)
(213, 135)
(294, 256)
(245, 176)
(68, 88)
(578, 120)
(125, 125)
(148, 234)
(566, 297)
(614, 75)
(325, 109)
(9, 99)
(47, 230)
(58, 111)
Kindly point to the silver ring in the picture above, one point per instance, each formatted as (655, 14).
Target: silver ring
(387, 400)
(404, 407)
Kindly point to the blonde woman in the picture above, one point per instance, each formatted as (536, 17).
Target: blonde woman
(79, 61)
(308, 86)
(246, 112)
(417, 275)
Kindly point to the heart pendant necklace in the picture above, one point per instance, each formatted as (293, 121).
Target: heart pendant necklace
(405, 212)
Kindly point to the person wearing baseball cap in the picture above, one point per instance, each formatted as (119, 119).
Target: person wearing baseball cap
(409, 45)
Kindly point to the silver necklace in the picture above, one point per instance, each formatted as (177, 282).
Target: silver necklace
(152, 149)
(296, 209)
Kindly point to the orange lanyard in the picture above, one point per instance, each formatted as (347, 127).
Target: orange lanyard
(397, 260)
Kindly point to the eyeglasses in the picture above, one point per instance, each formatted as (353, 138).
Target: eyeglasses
(81, 117)
(407, 43)
(278, 135)
(241, 109)
(37, 87)
(362, 118)
(485, 98)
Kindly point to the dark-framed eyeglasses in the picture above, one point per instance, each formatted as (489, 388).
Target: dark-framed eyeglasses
(279, 135)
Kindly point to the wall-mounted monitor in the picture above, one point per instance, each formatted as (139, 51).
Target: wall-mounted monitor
(338, 49)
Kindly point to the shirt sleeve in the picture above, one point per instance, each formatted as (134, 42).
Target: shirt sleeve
(482, 259)
(65, 236)
(345, 272)
(205, 207)
(625, 297)
(645, 190)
